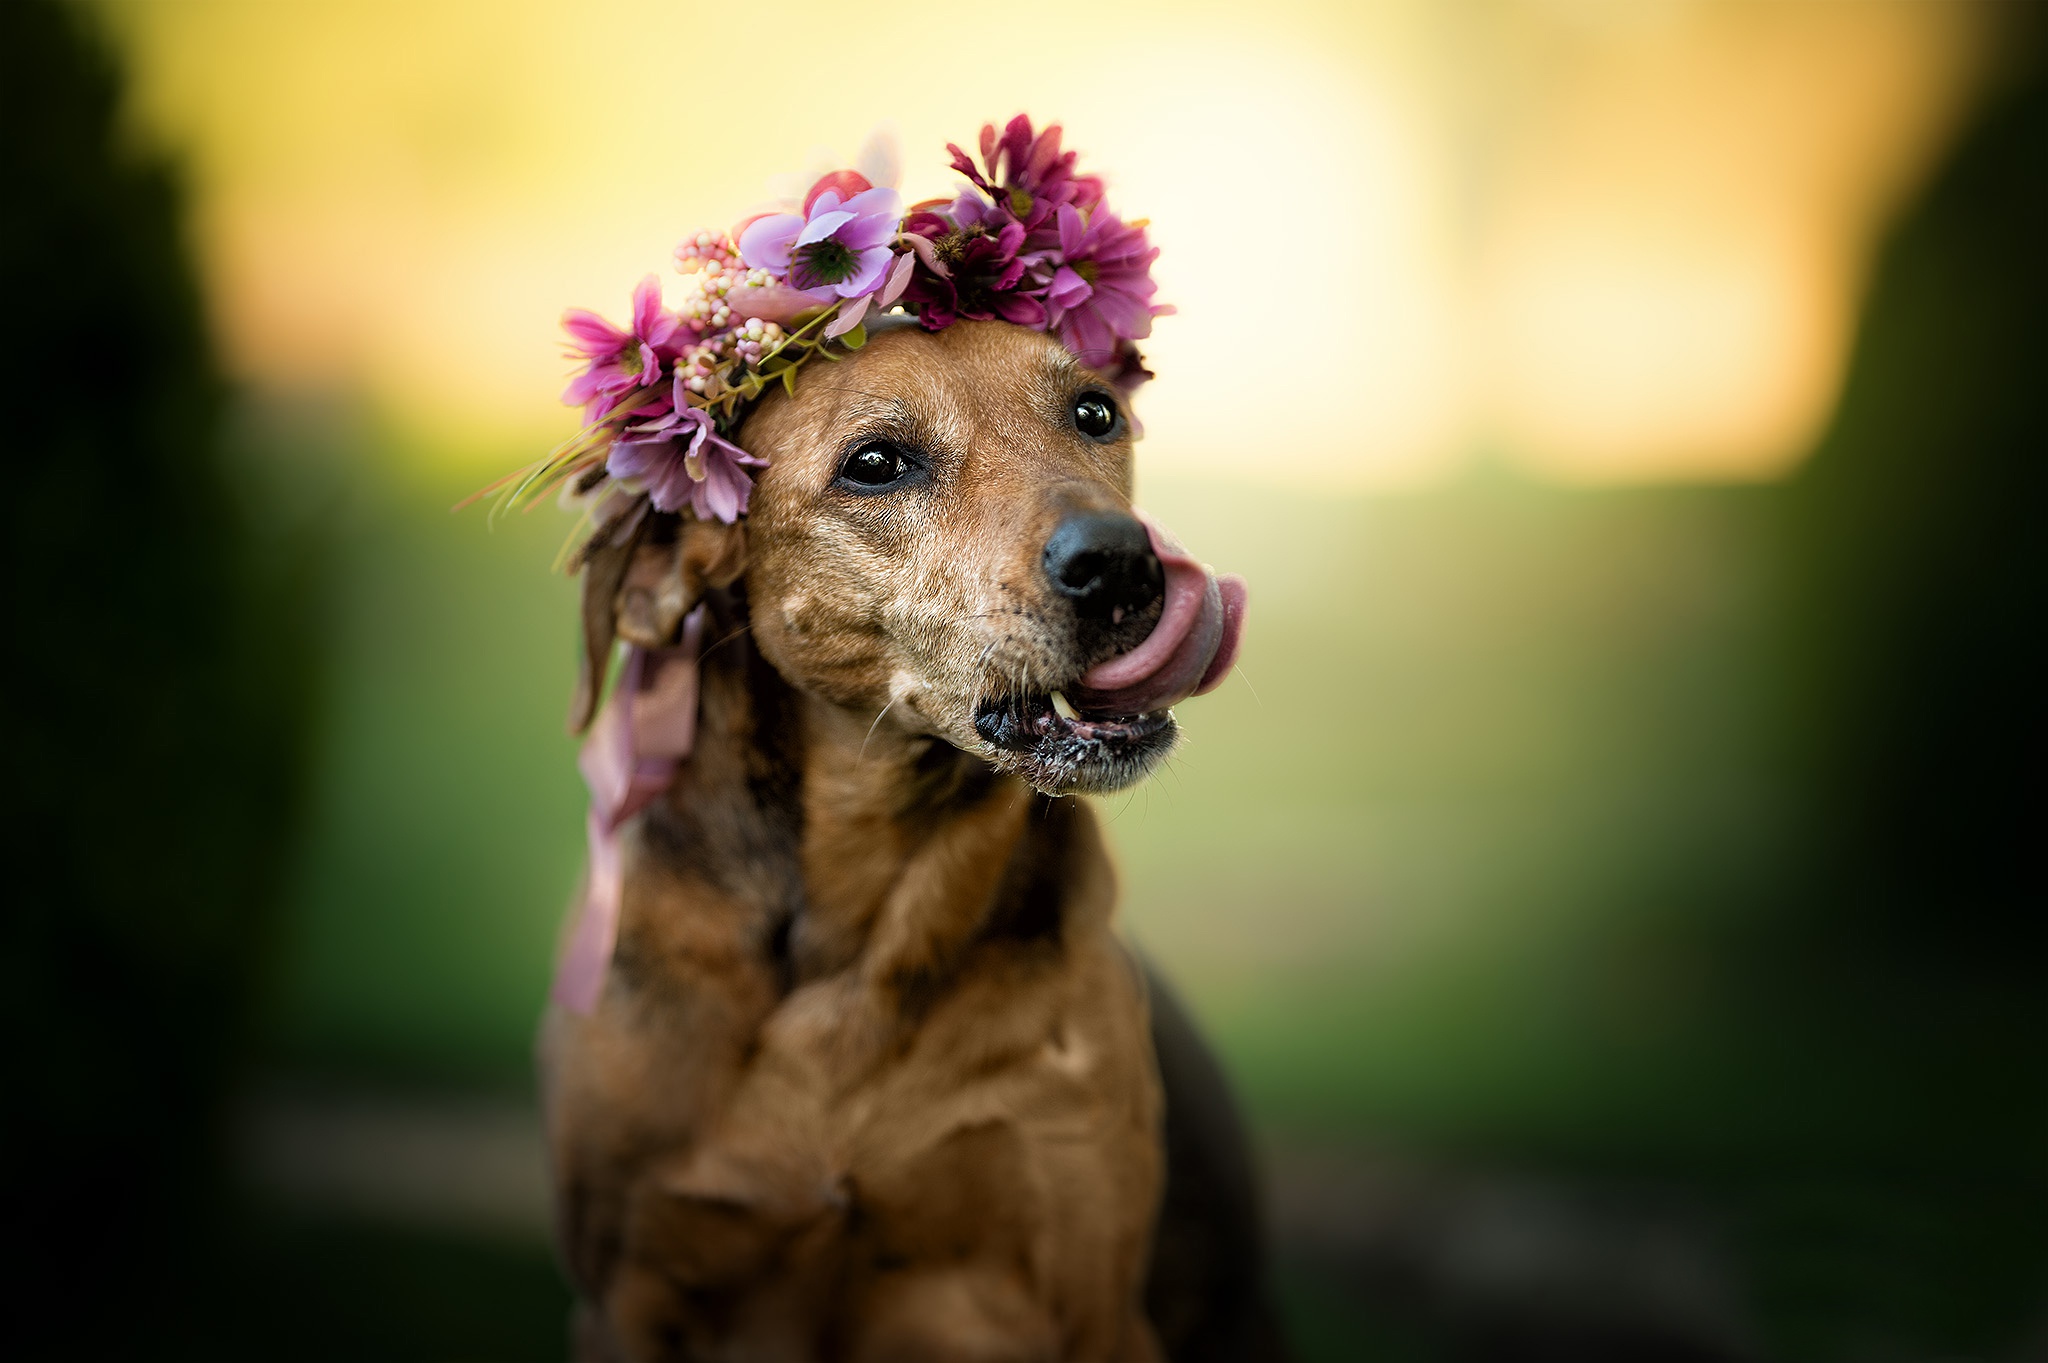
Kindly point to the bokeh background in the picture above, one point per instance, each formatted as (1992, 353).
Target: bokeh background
(1613, 879)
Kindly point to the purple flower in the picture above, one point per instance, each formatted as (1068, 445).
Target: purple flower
(973, 266)
(1027, 175)
(680, 459)
(851, 314)
(620, 359)
(1100, 295)
(837, 247)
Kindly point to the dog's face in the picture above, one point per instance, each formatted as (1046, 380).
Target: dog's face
(944, 538)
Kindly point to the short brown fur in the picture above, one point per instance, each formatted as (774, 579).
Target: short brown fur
(870, 1078)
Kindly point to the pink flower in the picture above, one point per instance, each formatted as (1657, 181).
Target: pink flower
(1100, 295)
(680, 459)
(972, 266)
(1028, 176)
(620, 360)
(838, 247)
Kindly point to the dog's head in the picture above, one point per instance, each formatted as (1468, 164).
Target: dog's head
(944, 538)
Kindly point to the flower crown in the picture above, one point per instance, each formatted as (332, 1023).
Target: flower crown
(1027, 241)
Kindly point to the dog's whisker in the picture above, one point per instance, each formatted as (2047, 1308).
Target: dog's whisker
(982, 660)
(744, 628)
(860, 756)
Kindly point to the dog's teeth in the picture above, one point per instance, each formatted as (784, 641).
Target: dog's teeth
(1062, 708)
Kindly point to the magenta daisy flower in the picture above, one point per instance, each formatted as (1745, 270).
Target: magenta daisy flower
(620, 359)
(1027, 175)
(974, 266)
(1100, 296)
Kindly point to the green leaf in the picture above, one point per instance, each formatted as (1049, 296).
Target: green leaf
(855, 339)
(789, 380)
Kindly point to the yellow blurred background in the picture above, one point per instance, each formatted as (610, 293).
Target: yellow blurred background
(1612, 240)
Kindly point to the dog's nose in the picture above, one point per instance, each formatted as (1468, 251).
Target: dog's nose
(1103, 560)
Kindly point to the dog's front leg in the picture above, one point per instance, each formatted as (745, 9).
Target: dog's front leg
(644, 1075)
(774, 1168)
(829, 1035)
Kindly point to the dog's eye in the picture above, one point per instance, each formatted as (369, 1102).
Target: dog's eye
(876, 464)
(1094, 415)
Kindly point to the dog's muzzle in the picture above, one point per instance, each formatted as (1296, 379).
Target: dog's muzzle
(1107, 727)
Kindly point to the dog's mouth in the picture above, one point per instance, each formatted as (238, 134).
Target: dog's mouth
(1021, 723)
(1060, 748)
(1105, 729)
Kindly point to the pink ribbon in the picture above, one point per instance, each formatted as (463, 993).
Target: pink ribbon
(643, 733)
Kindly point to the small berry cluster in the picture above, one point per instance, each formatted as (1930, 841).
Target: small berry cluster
(711, 268)
(699, 366)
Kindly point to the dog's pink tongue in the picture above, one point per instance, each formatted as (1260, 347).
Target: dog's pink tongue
(1187, 653)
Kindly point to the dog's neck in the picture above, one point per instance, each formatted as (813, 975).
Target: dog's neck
(854, 840)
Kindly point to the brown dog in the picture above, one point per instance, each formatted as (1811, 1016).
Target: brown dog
(870, 1078)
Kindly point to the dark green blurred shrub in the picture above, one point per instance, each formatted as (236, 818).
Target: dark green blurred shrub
(1905, 1212)
(156, 677)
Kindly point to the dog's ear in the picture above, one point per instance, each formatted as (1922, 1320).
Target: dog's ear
(642, 573)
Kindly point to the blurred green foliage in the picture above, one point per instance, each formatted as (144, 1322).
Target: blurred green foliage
(447, 816)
